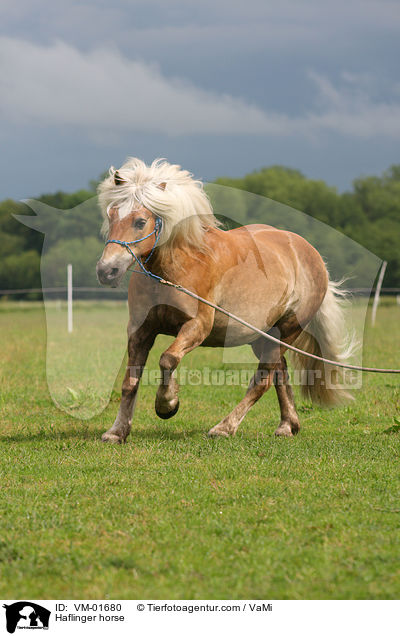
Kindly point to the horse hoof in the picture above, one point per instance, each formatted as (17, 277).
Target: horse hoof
(165, 415)
(284, 430)
(111, 438)
(217, 432)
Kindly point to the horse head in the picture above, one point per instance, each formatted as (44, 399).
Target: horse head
(130, 238)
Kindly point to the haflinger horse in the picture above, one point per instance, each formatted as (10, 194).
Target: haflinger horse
(273, 279)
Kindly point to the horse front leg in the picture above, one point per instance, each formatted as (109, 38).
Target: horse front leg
(190, 336)
(140, 342)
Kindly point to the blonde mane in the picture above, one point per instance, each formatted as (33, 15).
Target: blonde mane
(166, 190)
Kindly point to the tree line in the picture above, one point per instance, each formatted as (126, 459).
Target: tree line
(369, 214)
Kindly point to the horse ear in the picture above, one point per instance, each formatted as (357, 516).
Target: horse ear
(162, 186)
(118, 179)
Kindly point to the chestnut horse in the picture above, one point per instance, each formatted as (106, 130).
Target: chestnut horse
(273, 279)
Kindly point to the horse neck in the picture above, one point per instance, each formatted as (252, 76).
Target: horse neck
(173, 261)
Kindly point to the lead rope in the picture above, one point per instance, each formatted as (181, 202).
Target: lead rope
(267, 336)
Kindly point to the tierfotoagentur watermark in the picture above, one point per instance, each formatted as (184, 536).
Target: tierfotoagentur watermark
(207, 376)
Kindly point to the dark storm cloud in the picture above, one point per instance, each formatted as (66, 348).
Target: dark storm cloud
(281, 82)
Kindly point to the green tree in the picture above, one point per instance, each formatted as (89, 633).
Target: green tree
(369, 213)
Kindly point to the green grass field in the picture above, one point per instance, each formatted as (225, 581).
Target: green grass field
(173, 514)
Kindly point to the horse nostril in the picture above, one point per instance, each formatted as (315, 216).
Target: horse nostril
(106, 274)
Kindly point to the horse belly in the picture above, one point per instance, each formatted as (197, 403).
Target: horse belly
(253, 299)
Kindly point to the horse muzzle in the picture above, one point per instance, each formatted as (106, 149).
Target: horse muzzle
(109, 274)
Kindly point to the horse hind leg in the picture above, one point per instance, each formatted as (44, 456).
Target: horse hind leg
(259, 384)
(289, 330)
(289, 424)
(272, 372)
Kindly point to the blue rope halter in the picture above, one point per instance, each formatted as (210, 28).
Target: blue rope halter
(126, 244)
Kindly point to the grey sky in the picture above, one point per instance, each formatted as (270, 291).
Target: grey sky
(219, 87)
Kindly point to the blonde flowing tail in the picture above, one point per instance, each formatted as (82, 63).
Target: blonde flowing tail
(325, 336)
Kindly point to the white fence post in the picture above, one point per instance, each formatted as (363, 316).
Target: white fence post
(377, 293)
(69, 297)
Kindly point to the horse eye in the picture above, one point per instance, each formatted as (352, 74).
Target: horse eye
(139, 224)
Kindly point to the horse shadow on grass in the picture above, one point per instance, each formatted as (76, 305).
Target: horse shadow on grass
(47, 435)
(165, 434)
(93, 436)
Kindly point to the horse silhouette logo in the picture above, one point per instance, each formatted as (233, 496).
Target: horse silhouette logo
(26, 615)
(82, 363)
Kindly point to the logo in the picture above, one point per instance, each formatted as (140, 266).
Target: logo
(26, 615)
